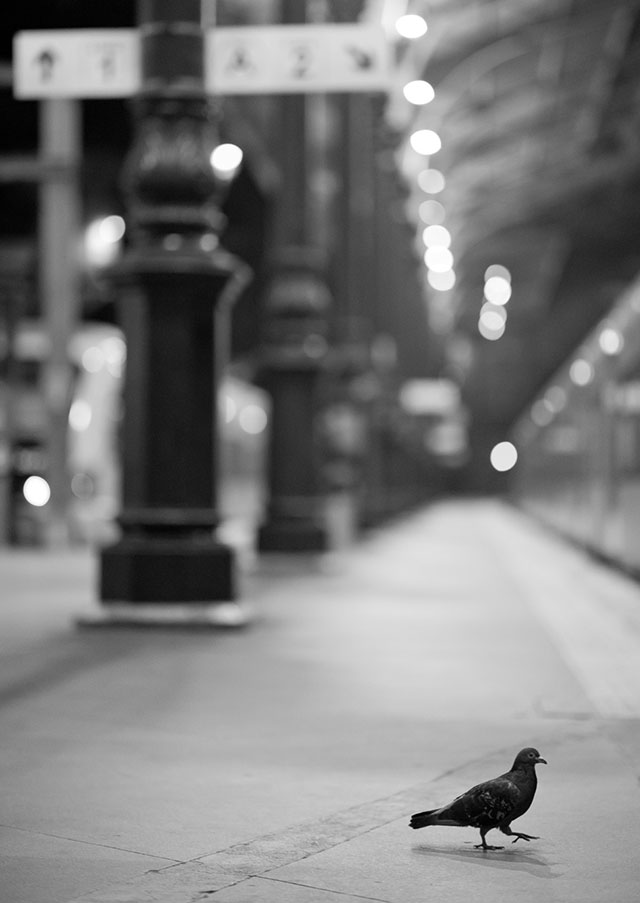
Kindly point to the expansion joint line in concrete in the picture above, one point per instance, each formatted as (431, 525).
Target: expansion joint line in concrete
(196, 880)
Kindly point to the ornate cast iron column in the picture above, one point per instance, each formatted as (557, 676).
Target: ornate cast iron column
(293, 365)
(295, 343)
(175, 286)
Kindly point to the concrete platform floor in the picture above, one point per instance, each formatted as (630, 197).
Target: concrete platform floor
(282, 762)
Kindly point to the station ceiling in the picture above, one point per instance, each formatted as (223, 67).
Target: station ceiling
(537, 104)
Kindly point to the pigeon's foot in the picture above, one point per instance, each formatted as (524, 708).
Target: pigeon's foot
(524, 837)
(486, 846)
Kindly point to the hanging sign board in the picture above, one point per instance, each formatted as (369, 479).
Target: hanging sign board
(76, 63)
(281, 59)
(266, 59)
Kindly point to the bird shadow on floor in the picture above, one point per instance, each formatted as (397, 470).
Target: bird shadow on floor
(513, 860)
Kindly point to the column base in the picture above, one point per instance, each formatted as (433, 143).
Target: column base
(292, 536)
(221, 615)
(157, 571)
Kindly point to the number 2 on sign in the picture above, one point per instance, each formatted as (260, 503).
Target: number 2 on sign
(302, 59)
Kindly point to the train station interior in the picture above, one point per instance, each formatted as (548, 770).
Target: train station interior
(319, 448)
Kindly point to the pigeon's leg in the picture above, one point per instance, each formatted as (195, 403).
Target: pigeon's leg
(506, 829)
(484, 845)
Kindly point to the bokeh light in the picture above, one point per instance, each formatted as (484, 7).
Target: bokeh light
(438, 259)
(503, 456)
(80, 415)
(441, 282)
(610, 341)
(425, 142)
(541, 412)
(418, 92)
(492, 314)
(436, 235)
(491, 327)
(102, 239)
(226, 159)
(555, 398)
(411, 26)
(497, 290)
(581, 372)
(36, 491)
(496, 269)
(93, 359)
(431, 212)
(253, 419)
(431, 181)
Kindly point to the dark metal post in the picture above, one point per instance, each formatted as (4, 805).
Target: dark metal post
(174, 288)
(295, 341)
(292, 368)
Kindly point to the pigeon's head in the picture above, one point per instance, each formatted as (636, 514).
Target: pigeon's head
(528, 756)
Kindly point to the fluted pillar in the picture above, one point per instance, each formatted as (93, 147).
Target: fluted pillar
(175, 286)
(295, 340)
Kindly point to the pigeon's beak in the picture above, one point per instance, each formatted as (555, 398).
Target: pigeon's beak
(541, 760)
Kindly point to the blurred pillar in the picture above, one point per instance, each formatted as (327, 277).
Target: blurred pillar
(295, 343)
(175, 286)
(15, 264)
(354, 281)
(60, 148)
(354, 274)
(353, 242)
(388, 307)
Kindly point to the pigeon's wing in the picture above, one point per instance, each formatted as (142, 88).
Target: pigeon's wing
(486, 804)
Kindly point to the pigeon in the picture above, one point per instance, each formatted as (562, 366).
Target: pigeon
(492, 804)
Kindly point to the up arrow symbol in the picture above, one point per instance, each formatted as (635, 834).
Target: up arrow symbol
(46, 60)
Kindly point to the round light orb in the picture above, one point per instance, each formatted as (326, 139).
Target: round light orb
(555, 398)
(36, 491)
(503, 456)
(225, 159)
(80, 415)
(411, 27)
(102, 240)
(112, 228)
(425, 142)
(441, 282)
(493, 331)
(610, 341)
(492, 320)
(496, 269)
(541, 412)
(93, 359)
(431, 181)
(438, 259)
(581, 372)
(431, 212)
(497, 290)
(253, 419)
(493, 314)
(436, 235)
(418, 92)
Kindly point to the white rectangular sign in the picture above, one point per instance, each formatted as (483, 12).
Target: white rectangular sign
(281, 59)
(267, 59)
(77, 63)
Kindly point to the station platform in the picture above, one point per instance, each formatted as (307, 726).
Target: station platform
(282, 761)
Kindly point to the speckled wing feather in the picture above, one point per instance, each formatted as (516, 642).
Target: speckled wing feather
(486, 804)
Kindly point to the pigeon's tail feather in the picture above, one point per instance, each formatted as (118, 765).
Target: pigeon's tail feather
(424, 819)
(442, 816)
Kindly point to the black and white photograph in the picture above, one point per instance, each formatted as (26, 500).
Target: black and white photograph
(320, 451)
